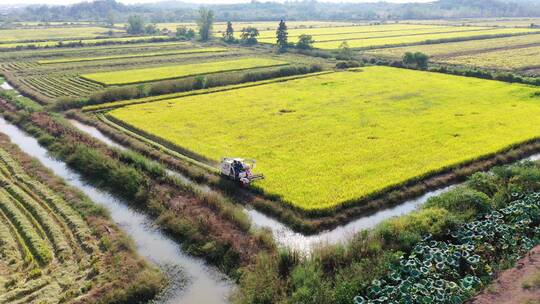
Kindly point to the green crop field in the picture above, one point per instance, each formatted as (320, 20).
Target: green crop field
(452, 48)
(153, 54)
(332, 138)
(179, 71)
(13, 35)
(418, 39)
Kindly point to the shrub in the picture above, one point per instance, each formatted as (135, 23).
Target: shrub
(483, 182)
(347, 64)
(466, 204)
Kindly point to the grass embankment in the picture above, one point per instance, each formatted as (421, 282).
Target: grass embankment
(179, 71)
(336, 274)
(80, 42)
(127, 56)
(347, 148)
(58, 246)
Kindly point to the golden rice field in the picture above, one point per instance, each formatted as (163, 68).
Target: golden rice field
(13, 35)
(179, 71)
(338, 137)
(49, 251)
(84, 41)
(520, 58)
(422, 38)
(126, 56)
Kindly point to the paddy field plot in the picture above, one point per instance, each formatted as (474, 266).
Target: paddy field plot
(13, 35)
(521, 58)
(396, 40)
(449, 49)
(51, 43)
(127, 56)
(179, 71)
(339, 137)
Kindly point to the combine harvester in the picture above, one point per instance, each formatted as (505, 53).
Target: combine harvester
(239, 169)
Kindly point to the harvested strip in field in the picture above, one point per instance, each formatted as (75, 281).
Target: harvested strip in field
(411, 39)
(155, 54)
(58, 249)
(179, 71)
(521, 58)
(329, 139)
(457, 48)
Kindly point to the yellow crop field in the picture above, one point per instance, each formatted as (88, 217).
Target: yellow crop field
(13, 35)
(84, 41)
(411, 38)
(179, 71)
(449, 49)
(337, 137)
(153, 54)
(261, 26)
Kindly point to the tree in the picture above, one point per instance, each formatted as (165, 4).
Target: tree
(110, 19)
(417, 59)
(228, 36)
(421, 60)
(249, 35)
(135, 25)
(151, 29)
(282, 37)
(305, 42)
(205, 23)
(345, 51)
(183, 32)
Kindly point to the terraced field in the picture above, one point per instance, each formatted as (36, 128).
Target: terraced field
(220, 27)
(346, 136)
(49, 252)
(178, 71)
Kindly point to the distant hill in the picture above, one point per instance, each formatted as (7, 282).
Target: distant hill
(175, 11)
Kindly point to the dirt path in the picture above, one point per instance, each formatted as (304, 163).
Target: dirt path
(507, 288)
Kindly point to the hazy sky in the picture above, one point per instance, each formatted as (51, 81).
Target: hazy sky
(192, 1)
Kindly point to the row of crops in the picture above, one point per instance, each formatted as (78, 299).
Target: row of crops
(55, 86)
(450, 271)
(46, 247)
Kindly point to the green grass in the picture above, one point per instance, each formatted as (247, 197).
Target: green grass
(338, 137)
(179, 71)
(152, 54)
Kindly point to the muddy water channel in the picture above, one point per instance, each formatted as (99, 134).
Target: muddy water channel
(192, 282)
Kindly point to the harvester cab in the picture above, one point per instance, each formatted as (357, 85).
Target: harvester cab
(239, 169)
